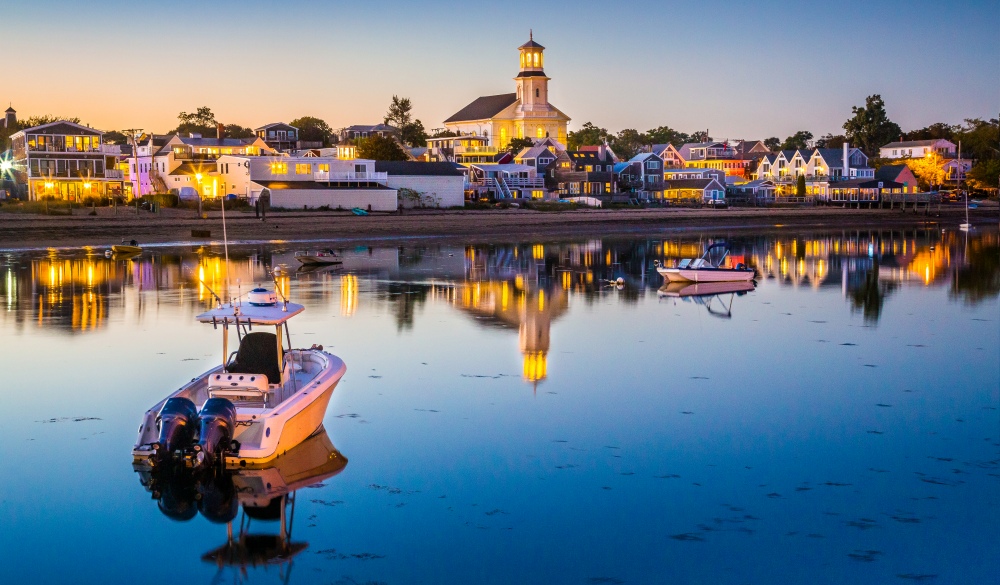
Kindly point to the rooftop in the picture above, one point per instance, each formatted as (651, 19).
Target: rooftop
(484, 108)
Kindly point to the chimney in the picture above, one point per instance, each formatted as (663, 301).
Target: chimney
(847, 161)
(220, 130)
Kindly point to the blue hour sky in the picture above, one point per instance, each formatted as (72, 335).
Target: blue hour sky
(740, 70)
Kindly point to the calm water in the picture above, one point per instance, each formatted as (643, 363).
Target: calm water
(508, 416)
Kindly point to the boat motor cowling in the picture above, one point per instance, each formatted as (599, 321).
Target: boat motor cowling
(218, 422)
(177, 422)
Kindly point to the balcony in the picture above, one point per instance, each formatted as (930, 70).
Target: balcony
(112, 149)
(480, 150)
(113, 174)
(328, 177)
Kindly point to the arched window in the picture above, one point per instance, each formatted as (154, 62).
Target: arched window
(537, 59)
(536, 92)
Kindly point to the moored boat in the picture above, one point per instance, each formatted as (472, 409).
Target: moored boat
(319, 257)
(704, 270)
(261, 401)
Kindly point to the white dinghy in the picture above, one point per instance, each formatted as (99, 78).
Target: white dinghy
(260, 402)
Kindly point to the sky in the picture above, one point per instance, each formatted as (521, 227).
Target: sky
(742, 70)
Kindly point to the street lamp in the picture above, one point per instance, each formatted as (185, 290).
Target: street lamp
(197, 177)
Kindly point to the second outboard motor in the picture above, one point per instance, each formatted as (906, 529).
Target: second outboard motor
(178, 427)
(218, 422)
(219, 502)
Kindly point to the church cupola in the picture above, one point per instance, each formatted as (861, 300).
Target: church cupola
(532, 83)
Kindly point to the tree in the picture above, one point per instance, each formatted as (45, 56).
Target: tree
(927, 169)
(237, 131)
(667, 135)
(870, 126)
(628, 143)
(831, 141)
(773, 143)
(979, 138)
(201, 121)
(312, 129)
(933, 132)
(444, 134)
(516, 145)
(380, 148)
(116, 137)
(985, 175)
(798, 140)
(587, 135)
(701, 136)
(800, 186)
(413, 134)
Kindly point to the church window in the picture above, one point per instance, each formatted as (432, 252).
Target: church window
(536, 59)
(540, 132)
(536, 92)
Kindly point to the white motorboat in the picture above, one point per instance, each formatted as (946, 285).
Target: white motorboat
(260, 402)
(705, 294)
(318, 257)
(704, 270)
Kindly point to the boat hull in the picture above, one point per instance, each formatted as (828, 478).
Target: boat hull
(124, 250)
(319, 259)
(706, 274)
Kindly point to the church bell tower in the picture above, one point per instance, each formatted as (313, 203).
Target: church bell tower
(532, 84)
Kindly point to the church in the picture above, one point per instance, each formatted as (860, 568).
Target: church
(526, 113)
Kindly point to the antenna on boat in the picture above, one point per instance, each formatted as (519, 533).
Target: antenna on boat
(225, 242)
(278, 291)
(219, 300)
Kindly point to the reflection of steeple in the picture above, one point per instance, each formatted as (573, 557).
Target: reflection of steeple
(533, 336)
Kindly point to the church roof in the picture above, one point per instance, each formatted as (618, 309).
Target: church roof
(484, 108)
(531, 44)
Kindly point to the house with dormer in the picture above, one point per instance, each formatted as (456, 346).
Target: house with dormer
(279, 136)
(576, 172)
(540, 155)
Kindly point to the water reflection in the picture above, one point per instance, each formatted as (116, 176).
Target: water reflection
(526, 286)
(248, 497)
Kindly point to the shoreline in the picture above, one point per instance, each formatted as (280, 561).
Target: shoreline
(173, 227)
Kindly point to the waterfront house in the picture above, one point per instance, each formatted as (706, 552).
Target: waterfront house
(714, 155)
(279, 136)
(861, 191)
(435, 184)
(650, 171)
(694, 190)
(918, 148)
(581, 172)
(68, 161)
(140, 164)
(955, 170)
(526, 113)
(186, 164)
(820, 167)
(351, 133)
(540, 155)
(505, 181)
(669, 154)
(755, 192)
(898, 174)
(685, 173)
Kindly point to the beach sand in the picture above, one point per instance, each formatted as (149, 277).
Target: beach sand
(21, 231)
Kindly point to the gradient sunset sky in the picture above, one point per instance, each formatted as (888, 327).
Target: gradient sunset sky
(740, 69)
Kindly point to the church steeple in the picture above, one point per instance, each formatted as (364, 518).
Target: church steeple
(532, 83)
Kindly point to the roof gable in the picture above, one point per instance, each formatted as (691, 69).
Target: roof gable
(484, 108)
(63, 127)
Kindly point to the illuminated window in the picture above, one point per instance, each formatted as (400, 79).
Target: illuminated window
(324, 167)
(540, 132)
(303, 169)
(279, 168)
(537, 59)
(589, 168)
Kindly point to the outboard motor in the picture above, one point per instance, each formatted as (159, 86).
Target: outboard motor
(218, 422)
(218, 502)
(177, 423)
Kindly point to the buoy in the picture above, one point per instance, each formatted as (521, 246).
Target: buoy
(620, 281)
(107, 253)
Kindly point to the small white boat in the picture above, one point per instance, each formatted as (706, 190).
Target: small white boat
(260, 402)
(319, 257)
(704, 270)
(705, 294)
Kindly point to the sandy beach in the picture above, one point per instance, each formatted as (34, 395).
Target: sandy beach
(25, 231)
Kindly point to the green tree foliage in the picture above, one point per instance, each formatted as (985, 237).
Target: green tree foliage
(400, 116)
(380, 148)
(444, 134)
(701, 136)
(831, 141)
(800, 139)
(980, 139)
(870, 126)
(800, 186)
(985, 175)
(773, 143)
(587, 135)
(518, 144)
(933, 132)
(312, 129)
(116, 137)
(978, 280)
(237, 131)
(628, 143)
(201, 121)
(667, 135)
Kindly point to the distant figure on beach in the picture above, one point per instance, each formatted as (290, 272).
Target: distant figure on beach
(256, 208)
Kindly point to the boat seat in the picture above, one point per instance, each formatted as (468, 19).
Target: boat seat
(258, 354)
(684, 263)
